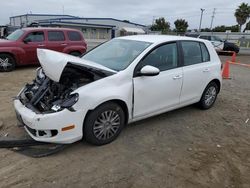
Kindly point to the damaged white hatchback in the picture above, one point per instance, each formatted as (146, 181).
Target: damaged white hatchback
(121, 81)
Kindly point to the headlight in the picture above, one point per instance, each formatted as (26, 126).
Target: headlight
(66, 103)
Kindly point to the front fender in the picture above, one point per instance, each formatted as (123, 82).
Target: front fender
(78, 48)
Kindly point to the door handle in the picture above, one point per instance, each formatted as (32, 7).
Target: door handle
(64, 44)
(177, 77)
(206, 70)
(41, 45)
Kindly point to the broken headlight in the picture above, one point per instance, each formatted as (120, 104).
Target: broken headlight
(66, 103)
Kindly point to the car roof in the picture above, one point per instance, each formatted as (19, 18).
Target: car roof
(158, 38)
(48, 29)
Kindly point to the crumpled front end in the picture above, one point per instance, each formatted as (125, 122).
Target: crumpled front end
(46, 107)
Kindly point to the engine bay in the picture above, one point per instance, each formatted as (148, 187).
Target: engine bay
(44, 95)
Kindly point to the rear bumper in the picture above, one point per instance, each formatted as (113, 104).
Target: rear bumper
(48, 127)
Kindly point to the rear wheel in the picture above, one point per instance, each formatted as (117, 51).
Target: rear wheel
(104, 124)
(7, 63)
(209, 96)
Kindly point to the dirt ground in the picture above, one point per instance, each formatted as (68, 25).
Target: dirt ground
(183, 148)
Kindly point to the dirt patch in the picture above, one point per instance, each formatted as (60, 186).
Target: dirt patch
(183, 148)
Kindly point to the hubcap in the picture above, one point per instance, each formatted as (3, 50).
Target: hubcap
(4, 63)
(106, 125)
(210, 95)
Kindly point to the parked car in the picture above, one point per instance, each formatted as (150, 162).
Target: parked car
(218, 43)
(121, 81)
(19, 48)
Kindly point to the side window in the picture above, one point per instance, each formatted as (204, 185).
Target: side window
(205, 53)
(191, 52)
(35, 36)
(204, 37)
(163, 57)
(74, 36)
(56, 36)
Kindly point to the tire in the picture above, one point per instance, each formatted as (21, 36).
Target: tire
(209, 96)
(98, 129)
(77, 54)
(7, 63)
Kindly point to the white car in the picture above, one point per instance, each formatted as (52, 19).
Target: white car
(121, 81)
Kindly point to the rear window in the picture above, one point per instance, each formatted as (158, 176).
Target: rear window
(74, 36)
(56, 36)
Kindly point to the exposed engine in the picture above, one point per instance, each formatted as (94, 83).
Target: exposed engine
(46, 96)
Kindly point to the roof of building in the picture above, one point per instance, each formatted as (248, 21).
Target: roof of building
(70, 17)
(55, 22)
(59, 15)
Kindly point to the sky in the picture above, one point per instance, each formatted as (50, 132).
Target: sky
(139, 11)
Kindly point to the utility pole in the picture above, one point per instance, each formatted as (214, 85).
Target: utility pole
(211, 26)
(63, 9)
(202, 10)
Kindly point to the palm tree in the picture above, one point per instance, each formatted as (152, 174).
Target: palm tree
(242, 13)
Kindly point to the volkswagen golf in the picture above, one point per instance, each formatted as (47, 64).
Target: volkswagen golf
(121, 81)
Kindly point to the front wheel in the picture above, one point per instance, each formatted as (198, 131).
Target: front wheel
(104, 124)
(209, 96)
(7, 63)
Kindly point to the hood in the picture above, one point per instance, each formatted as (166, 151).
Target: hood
(4, 42)
(53, 63)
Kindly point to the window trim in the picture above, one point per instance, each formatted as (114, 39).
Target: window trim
(182, 53)
(74, 32)
(179, 58)
(57, 40)
(35, 32)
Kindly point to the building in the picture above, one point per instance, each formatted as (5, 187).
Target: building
(95, 30)
(91, 27)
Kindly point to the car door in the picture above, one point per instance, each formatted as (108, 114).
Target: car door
(154, 94)
(31, 42)
(196, 70)
(56, 41)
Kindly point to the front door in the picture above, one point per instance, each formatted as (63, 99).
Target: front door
(154, 94)
(30, 43)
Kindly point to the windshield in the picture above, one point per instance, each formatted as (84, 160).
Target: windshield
(116, 54)
(15, 35)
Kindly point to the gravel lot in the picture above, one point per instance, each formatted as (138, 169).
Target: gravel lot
(183, 148)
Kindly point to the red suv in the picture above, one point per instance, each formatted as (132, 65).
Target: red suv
(19, 48)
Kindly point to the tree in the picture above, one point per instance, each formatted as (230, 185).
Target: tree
(181, 25)
(223, 28)
(161, 25)
(242, 13)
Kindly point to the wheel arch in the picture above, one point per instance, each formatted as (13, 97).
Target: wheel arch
(120, 102)
(217, 82)
(12, 55)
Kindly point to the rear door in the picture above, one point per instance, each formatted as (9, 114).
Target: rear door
(154, 94)
(196, 70)
(56, 40)
(33, 40)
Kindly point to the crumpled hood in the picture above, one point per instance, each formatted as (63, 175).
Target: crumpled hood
(53, 63)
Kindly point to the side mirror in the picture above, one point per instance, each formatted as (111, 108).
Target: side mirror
(149, 70)
(26, 40)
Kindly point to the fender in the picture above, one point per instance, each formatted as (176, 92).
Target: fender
(78, 48)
